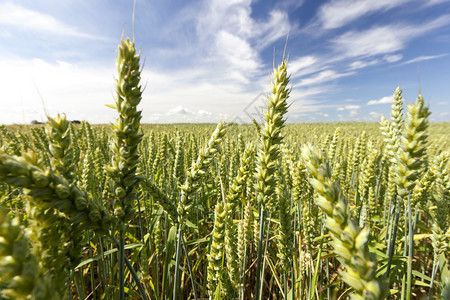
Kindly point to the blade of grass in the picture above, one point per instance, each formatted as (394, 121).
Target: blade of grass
(133, 272)
(189, 266)
(392, 241)
(176, 286)
(264, 258)
(259, 258)
(410, 251)
(316, 270)
(121, 266)
(170, 249)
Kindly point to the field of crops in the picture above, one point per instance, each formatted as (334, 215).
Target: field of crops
(257, 211)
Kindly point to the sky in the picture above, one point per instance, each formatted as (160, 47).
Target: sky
(206, 61)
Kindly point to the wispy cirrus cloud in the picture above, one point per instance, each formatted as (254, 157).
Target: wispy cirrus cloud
(354, 50)
(383, 39)
(322, 77)
(19, 18)
(393, 58)
(435, 2)
(424, 57)
(335, 14)
(359, 64)
(304, 65)
(276, 27)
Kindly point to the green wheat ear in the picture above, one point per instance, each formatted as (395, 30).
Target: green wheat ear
(125, 155)
(60, 146)
(21, 276)
(233, 199)
(271, 138)
(18, 268)
(397, 112)
(412, 147)
(215, 257)
(349, 242)
(196, 172)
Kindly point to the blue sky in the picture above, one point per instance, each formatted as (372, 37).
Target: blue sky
(211, 60)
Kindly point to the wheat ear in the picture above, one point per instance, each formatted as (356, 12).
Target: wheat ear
(350, 243)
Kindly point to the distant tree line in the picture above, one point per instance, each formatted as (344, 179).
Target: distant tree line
(36, 122)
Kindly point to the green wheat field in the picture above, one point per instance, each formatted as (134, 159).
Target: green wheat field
(259, 211)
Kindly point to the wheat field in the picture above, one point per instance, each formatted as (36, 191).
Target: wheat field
(259, 211)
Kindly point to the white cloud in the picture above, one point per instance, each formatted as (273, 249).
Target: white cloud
(349, 107)
(276, 27)
(383, 39)
(434, 2)
(181, 98)
(302, 65)
(14, 16)
(235, 17)
(393, 58)
(352, 109)
(384, 100)
(82, 90)
(243, 61)
(304, 93)
(181, 114)
(231, 38)
(378, 40)
(322, 77)
(204, 113)
(424, 57)
(335, 14)
(79, 91)
(359, 64)
(179, 110)
(375, 115)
